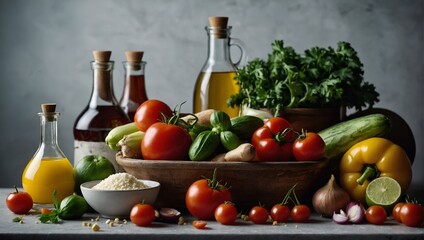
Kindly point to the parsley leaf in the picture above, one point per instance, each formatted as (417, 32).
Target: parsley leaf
(321, 77)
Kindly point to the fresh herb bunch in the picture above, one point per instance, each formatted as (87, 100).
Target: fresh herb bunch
(321, 77)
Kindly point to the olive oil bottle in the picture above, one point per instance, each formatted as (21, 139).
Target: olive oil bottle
(216, 83)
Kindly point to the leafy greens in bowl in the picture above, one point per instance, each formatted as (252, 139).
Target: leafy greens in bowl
(321, 77)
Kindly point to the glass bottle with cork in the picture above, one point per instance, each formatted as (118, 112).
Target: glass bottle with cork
(49, 169)
(134, 92)
(215, 83)
(101, 115)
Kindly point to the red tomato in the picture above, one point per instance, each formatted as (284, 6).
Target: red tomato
(164, 141)
(396, 211)
(412, 214)
(259, 215)
(199, 224)
(226, 213)
(204, 196)
(271, 143)
(19, 202)
(149, 112)
(376, 215)
(280, 213)
(300, 213)
(142, 214)
(309, 147)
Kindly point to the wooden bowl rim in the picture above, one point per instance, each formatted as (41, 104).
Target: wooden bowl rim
(168, 164)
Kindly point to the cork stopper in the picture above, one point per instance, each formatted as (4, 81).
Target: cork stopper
(48, 110)
(102, 56)
(219, 26)
(220, 22)
(134, 56)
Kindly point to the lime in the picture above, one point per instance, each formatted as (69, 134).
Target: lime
(90, 168)
(383, 191)
(72, 207)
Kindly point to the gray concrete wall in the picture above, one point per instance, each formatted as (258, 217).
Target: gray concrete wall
(45, 50)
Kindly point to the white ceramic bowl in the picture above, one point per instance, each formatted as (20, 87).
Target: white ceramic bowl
(118, 203)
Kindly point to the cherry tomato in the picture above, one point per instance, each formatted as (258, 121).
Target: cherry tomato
(308, 147)
(273, 141)
(300, 213)
(149, 112)
(45, 210)
(142, 214)
(376, 215)
(164, 141)
(280, 213)
(396, 211)
(259, 215)
(412, 214)
(19, 202)
(199, 224)
(204, 196)
(226, 213)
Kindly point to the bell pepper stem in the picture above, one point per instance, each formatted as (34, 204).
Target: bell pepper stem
(369, 172)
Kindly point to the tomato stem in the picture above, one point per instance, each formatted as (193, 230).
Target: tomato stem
(214, 183)
(280, 137)
(16, 189)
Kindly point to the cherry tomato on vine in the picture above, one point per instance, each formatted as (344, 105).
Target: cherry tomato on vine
(412, 214)
(376, 215)
(199, 224)
(142, 214)
(280, 213)
(273, 141)
(300, 213)
(204, 196)
(308, 146)
(226, 213)
(164, 141)
(149, 112)
(19, 202)
(259, 215)
(396, 211)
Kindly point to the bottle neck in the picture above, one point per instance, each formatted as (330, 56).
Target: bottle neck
(218, 44)
(102, 94)
(49, 147)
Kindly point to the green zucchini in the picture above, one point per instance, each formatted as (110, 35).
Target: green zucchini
(341, 137)
(220, 121)
(229, 140)
(204, 145)
(117, 133)
(245, 126)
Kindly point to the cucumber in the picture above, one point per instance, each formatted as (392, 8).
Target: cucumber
(204, 145)
(341, 137)
(229, 140)
(245, 126)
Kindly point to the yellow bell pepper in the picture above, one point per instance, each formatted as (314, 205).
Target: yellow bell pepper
(370, 159)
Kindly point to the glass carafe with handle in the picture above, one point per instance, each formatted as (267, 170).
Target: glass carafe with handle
(215, 83)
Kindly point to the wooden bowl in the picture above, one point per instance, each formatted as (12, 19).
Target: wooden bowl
(251, 182)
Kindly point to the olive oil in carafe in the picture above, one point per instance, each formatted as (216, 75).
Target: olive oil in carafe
(212, 91)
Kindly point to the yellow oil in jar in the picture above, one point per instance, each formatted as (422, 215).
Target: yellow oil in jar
(212, 91)
(41, 177)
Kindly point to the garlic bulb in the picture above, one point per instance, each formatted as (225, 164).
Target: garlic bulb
(330, 198)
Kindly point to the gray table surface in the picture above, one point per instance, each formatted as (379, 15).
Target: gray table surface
(317, 228)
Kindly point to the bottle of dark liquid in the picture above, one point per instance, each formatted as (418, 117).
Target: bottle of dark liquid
(101, 114)
(134, 88)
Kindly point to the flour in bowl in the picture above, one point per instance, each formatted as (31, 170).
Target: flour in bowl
(120, 181)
